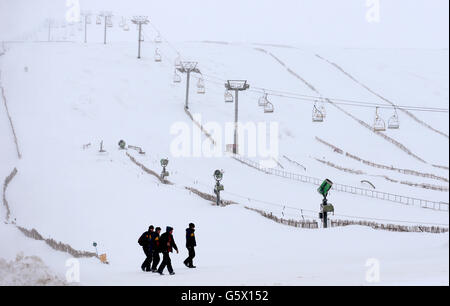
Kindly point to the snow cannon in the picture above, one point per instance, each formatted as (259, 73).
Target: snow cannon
(218, 176)
(325, 207)
(325, 187)
(164, 163)
(122, 144)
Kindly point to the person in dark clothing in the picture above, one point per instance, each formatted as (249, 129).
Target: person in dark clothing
(145, 242)
(167, 244)
(190, 245)
(156, 249)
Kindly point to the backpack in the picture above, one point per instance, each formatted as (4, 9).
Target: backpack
(143, 239)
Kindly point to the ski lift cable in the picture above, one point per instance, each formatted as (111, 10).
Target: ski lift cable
(164, 39)
(272, 92)
(310, 98)
(300, 97)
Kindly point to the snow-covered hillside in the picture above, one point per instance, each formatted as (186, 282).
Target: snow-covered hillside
(65, 94)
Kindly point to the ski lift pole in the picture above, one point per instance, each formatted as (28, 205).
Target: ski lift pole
(236, 86)
(325, 207)
(187, 89)
(104, 38)
(140, 20)
(188, 67)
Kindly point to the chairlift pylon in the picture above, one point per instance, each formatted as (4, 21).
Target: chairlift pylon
(379, 125)
(394, 122)
(228, 97)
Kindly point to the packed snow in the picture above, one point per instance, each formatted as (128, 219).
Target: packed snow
(64, 94)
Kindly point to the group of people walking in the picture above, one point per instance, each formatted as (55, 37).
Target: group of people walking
(153, 244)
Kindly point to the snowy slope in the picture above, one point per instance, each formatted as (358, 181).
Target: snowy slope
(72, 94)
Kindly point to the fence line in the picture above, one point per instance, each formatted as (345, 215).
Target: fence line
(209, 197)
(381, 166)
(313, 224)
(441, 206)
(359, 172)
(5, 186)
(5, 103)
(208, 135)
(34, 234)
(390, 227)
(149, 171)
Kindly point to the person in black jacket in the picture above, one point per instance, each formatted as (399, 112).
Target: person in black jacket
(145, 242)
(167, 244)
(156, 249)
(190, 245)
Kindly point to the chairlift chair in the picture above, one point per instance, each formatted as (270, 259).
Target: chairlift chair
(379, 124)
(158, 38)
(200, 86)
(262, 101)
(178, 62)
(126, 27)
(228, 97)
(317, 115)
(176, 77)
(157, 56)
(268, 108)
(322, 110)
(393, 122)
(99, 20)
(109, 22)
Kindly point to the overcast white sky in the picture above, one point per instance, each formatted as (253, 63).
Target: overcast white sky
(403, 23)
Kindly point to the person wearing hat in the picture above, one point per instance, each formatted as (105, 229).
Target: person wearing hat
(156, 248)
(167, 244)
(190, 245)
(146, 243)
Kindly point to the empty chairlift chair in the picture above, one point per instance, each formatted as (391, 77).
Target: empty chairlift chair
(379, 125)
(158, 38)
(268, 108)
(393, 122)
(317, 114)
(176, 77)
(263, 100)
(228, 97)
(98, 20)
(322, 109)
(200, 86)
(178, 62)
(157, 56)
